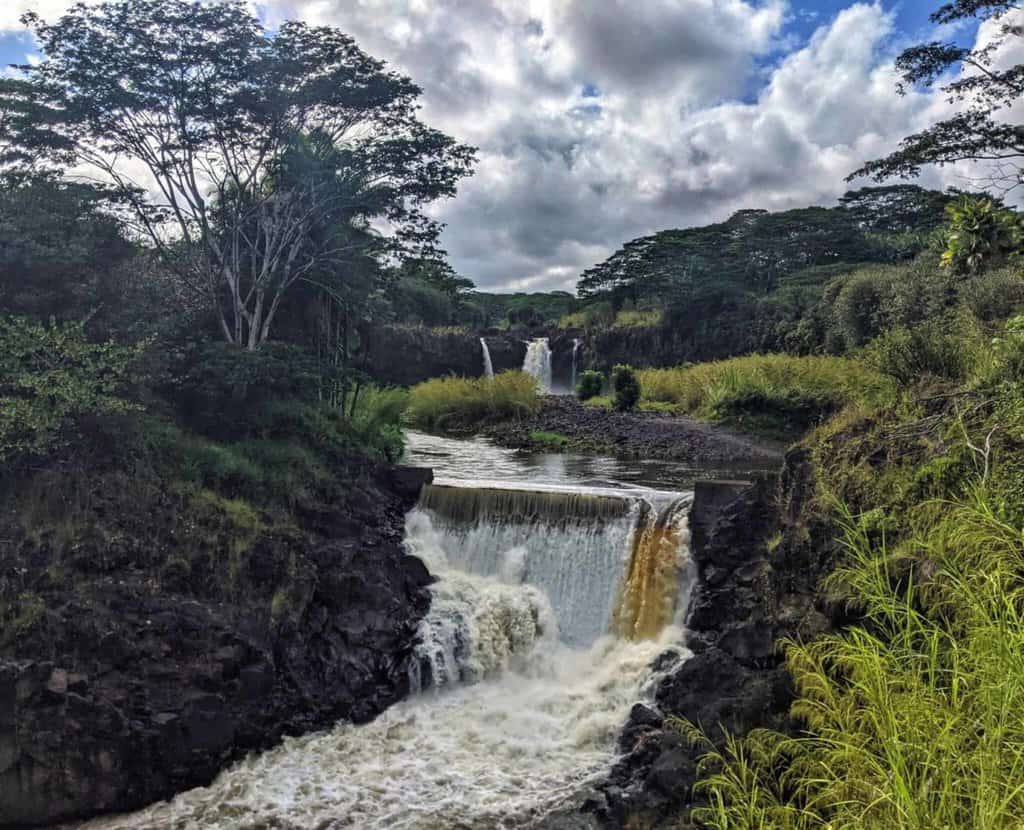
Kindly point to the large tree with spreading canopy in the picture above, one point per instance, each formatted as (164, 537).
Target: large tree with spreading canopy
(253, 160)
(983, 87)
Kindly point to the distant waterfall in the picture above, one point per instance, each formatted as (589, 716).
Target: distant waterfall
(488, 366)
(538, 362)
(572, 380)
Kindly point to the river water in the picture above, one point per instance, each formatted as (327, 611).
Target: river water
(560, 580)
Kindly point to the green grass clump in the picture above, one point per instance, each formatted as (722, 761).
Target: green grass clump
(915, 719)
(549, 440)
(638, 319)
(451, 402)
(773, 393)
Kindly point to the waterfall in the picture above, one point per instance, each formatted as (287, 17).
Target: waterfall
(572, 380)
(648, 599)
(556, 608)
(607, 561)
(538, 362)
(488, 366)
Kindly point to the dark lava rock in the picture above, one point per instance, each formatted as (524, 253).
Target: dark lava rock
(408, 355)
(648, 435)
(761, 551)
(134, 684)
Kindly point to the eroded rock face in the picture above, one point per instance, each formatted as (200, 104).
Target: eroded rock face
(407, 356)
(762, 550)
(133, 687)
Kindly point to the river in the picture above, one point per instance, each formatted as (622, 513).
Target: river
(560, 580)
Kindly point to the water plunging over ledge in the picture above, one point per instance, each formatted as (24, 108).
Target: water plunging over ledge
(553, 600)
(538, 362)
(488, 366)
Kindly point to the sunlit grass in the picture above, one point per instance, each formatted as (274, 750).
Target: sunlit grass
(443, 403)
(774, 392)
(915, 718)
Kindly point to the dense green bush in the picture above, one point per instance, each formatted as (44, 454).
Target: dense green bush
(625, 388)
(950, 349)
(222, 389)
(444, 403)
(290, 453)
(590, 385)
(51, 378)
(981, 233)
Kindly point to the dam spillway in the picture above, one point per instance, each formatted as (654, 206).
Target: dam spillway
(552, 602)
(589, 549)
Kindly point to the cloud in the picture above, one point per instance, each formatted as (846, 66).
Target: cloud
(601, 121)
(12, 10)
(598, 122)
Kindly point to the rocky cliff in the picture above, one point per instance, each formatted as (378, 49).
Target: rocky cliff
(761, 551)
(147, 648)
(406, 356)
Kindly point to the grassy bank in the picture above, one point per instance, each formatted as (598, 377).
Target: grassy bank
(774, 395)
(913, 717)
(455, 402)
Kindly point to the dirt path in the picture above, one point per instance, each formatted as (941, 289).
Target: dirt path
(653, 435)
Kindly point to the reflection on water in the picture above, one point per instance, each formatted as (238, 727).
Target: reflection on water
(478, 458)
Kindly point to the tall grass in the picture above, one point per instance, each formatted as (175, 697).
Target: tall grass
(450, 402)
(786, 392)
(916, 718)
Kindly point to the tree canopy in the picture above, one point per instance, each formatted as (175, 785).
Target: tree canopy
(754, 249)
(269, 158)
(984, 89)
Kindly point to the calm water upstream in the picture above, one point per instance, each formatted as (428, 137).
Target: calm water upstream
(560, 579)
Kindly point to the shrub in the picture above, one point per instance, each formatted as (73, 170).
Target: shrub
(377, 420)
(638, 319)
(599, 315)
(444, 403)
(222, 389)
(981, 233)
(626, 388)
(995, 294)
(590, 385)
(51, 377)
(949, 349)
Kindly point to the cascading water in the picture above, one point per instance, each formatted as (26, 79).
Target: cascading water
(572, 378)
(550, 606)
(538, 362)
(488, 366)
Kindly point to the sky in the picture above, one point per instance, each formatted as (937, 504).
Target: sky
(598, 121)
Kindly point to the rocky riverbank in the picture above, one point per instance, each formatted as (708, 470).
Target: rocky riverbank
(649, 435)
(761, 551)
(151, 643)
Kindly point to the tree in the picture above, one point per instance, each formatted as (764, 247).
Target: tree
(63, 252)
(981, 234)
(269, 156)
(625, 388)
(754, 250)
(897, 208)
(982, 87)
(30, 140)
